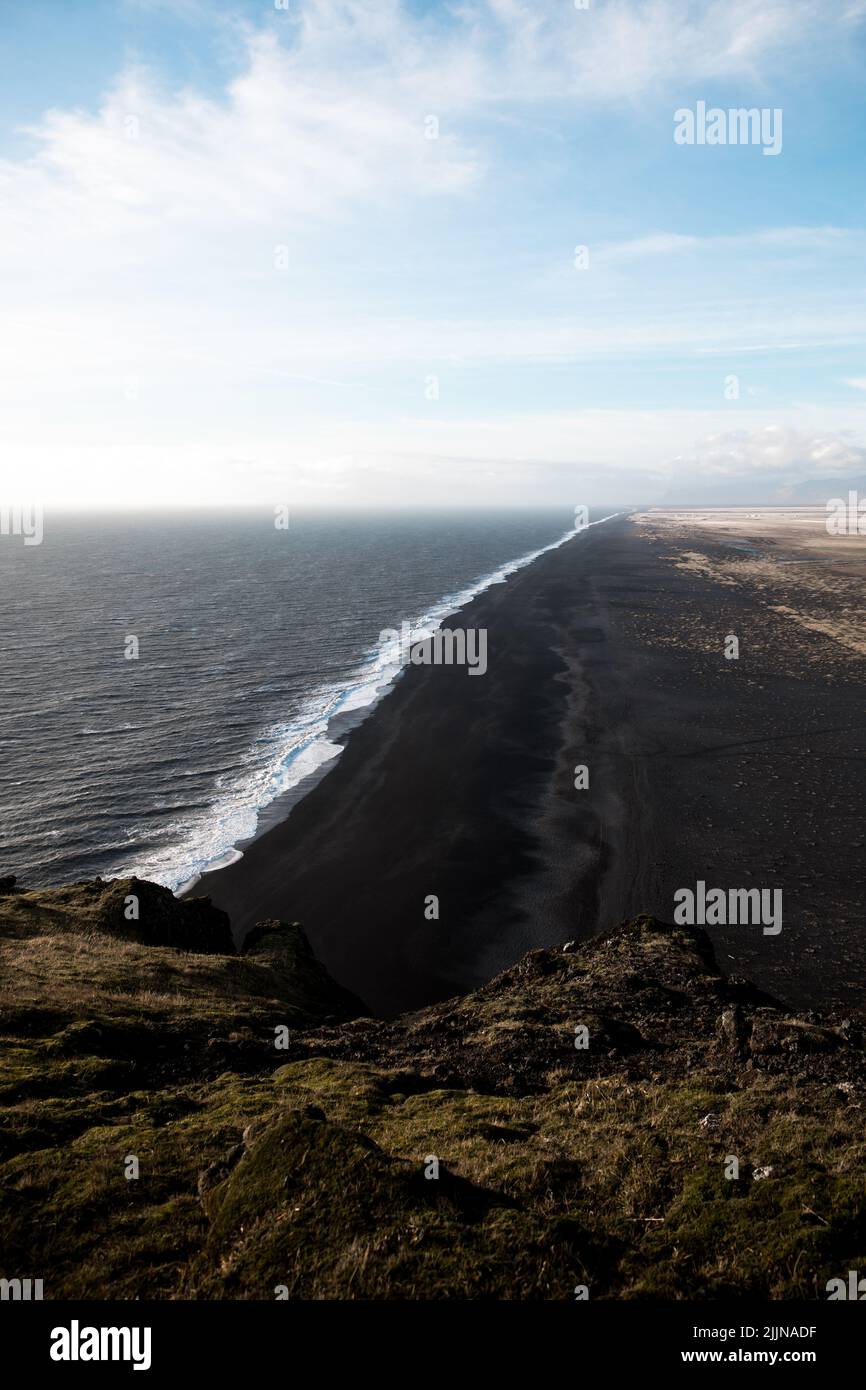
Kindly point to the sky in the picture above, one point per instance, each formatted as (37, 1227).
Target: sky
(373, 253)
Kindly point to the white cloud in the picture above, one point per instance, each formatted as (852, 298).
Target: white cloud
(334, 114)
(621, 50)
(769, 241)
(289, 141)
(138, 236)
(784, 452)
(599, 456)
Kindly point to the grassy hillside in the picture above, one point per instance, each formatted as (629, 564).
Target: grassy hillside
(308, 1170)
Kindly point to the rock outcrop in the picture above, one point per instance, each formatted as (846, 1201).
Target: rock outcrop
(616, 1115)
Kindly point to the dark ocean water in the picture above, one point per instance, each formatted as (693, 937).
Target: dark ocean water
(251, 639)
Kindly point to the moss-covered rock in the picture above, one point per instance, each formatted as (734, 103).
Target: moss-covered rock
(471, 1150)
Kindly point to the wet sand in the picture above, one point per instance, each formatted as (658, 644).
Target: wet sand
(606, 652)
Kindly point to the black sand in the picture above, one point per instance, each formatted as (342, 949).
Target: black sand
(743, 774)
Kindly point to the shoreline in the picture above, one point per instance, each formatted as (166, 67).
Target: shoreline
(464, 789)
(407, 801)
(371, 681)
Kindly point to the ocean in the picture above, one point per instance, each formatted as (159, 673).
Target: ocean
(256, 647)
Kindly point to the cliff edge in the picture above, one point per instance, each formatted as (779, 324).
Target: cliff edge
(180, 1119)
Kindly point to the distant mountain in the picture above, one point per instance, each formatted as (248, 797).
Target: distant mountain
(761, 490)
(820, 490)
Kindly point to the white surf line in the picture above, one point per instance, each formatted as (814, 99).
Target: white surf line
(372, 681)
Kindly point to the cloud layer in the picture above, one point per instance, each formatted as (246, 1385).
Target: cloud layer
(272, 271)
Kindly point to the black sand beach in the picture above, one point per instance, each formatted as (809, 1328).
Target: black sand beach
(741, 773)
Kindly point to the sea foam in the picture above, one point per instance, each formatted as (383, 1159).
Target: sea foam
(303, 746)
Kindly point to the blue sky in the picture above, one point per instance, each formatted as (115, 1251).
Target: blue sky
(235, 268)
